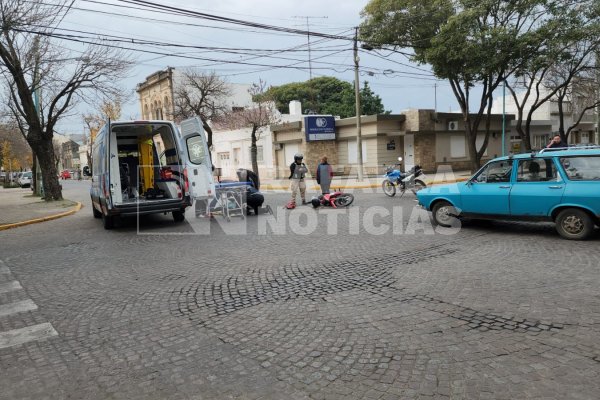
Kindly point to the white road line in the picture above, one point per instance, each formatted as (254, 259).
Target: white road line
(3, 268)
(16, 337)
(17, 307)
(10, 286)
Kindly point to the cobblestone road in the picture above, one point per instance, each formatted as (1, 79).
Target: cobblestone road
(498, 311)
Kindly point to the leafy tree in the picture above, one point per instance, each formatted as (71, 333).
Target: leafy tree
(326, 95)
(32, 61)
(19, 150)
(471, 43)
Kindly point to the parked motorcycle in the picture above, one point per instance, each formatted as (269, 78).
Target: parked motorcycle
(335, 200)
(407, 180)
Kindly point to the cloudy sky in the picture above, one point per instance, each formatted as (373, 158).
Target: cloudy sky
(400, 84)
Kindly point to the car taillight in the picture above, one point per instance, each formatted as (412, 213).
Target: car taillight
(186, 183)
(105, 188)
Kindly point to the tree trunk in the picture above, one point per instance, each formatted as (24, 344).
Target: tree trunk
(561, 119)
(254, 151)
(88, 154)
(45, 154)
(209, 133)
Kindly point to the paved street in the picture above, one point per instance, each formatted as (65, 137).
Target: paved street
(493, 311)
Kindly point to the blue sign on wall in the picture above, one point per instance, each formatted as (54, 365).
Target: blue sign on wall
(319, 127)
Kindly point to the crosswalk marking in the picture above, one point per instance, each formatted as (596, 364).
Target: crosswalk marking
(29, 333)
(17, 307)
(26, 334)
(10, 286)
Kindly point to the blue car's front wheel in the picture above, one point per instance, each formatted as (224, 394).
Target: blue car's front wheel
(444, 214)
(388, 188)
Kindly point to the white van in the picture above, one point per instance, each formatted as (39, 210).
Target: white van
(146, 167)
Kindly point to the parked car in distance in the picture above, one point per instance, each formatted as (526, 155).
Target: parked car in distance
(65, 174)
(558, 185)
(25, 179)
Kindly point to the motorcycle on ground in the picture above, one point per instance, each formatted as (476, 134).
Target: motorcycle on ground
(336, 200)
(408, 180)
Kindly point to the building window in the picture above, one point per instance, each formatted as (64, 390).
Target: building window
(353, 154)
(540, 141)
(457, 147)
(585, 137)
(259, 154)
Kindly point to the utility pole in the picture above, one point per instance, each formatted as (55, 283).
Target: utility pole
(503, 118)
(313, 106)
(597, 133)
(359, 156)
(308, 38)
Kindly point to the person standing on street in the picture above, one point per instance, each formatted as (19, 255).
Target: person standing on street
(324, 175)
(298, 172)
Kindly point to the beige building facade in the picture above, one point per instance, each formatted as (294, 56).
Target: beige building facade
(156, 95)
(421, 137)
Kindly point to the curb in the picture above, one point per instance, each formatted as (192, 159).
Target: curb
(76, 208)
(371, 186)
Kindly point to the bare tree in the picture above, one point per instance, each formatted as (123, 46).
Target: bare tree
(575, 85)
(256, 117)
(108, 109)
(201, 94)
(44, 81)
(568, 45)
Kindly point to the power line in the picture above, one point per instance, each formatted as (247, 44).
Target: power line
(307, 17)
(212, 17)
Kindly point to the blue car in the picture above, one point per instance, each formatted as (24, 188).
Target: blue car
(559, 185)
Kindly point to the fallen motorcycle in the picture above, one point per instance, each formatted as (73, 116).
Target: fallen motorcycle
(336, 200)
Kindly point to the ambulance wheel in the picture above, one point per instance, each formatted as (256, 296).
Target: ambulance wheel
(108, 221)
(178, 216)
(97, 214)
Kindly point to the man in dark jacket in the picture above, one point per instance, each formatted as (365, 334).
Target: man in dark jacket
(324, 175)
(556, 142)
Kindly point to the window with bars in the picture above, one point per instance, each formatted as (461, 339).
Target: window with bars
(259, 153)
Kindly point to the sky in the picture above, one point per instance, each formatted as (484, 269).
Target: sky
(400, 83)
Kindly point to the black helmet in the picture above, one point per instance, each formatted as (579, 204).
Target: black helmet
(315, 202)
(298, 157)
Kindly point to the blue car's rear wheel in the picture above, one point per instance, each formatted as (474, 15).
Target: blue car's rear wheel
(574, 224)
(388, 188)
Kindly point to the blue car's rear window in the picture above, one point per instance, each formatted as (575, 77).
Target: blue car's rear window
(581, 168)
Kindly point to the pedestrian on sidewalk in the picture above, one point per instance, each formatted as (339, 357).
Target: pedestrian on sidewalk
(298, 172)
(324, 175)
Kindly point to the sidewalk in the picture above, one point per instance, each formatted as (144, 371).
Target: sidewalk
(19, 207)
(351, 182)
